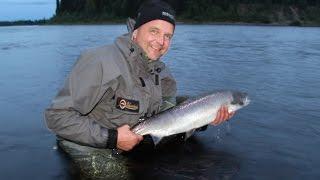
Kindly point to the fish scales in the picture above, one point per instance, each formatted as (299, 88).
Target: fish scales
(191, 115)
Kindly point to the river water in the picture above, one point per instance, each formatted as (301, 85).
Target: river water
(276, 137)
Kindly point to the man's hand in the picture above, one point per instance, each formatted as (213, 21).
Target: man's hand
(222, 116)
(127, 139)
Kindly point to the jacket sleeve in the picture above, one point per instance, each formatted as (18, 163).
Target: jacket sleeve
(88, 81)
(72, 126)
(169, 90)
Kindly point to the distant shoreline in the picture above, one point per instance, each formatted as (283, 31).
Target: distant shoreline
(122, 21)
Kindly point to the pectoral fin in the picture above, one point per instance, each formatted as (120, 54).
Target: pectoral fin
(156, 139)
(189, 134)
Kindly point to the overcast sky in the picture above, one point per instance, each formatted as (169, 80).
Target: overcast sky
(11, 10)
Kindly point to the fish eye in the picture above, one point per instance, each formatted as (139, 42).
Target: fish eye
(234, 102)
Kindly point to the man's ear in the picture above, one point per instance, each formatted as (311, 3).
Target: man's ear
(134, 35)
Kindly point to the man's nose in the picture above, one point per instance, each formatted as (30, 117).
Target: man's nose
(160, 40)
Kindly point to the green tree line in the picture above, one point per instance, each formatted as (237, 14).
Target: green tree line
(295, 12)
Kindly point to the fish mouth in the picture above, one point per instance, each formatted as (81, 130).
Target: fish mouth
(240, 98)
(246, 101)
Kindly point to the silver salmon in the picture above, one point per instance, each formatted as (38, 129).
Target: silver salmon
(191, 114)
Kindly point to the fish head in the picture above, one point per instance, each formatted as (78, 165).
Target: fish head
(239, 100)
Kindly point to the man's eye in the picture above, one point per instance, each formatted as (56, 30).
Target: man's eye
(168, 36)
(153, 32)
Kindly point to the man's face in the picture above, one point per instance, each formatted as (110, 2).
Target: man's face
(154, 38)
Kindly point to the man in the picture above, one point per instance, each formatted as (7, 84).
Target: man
(110, 88)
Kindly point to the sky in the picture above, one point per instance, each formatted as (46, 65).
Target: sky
(12, 10)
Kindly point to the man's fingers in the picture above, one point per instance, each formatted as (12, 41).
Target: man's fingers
(227, 114)
(127, 139)
(217, 119)
(140, 138)
(222, 114)
(126, 125)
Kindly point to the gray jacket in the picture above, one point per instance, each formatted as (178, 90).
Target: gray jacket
(108, 87)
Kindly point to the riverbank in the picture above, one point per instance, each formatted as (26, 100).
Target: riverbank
(265, 13)
(24, 22)
(179, 21)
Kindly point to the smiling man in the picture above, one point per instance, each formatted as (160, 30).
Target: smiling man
(112, 88)
(153, 34)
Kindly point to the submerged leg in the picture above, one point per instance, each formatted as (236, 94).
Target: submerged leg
(95, 163)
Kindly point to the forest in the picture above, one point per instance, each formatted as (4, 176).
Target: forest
(266, 12)
(282, 12)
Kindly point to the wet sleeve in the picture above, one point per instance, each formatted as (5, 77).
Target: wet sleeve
(169, 90)
(73, 126)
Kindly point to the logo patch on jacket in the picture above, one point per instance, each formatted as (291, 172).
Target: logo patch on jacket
(127, 104)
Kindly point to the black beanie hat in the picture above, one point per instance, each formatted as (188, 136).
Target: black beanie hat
(152, 10)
